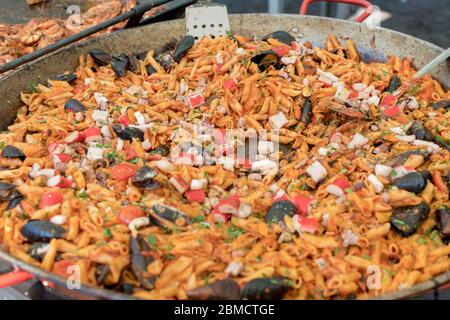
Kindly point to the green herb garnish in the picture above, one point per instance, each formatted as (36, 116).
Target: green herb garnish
(107, 233)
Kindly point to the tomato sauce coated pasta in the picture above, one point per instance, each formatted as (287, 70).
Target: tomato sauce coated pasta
(235, 169)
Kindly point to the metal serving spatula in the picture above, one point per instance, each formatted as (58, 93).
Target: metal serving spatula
(206, 18)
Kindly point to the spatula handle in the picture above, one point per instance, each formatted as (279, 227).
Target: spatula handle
(433, 63)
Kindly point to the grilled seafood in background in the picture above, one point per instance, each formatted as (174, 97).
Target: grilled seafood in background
(21, 39)
(99, 172)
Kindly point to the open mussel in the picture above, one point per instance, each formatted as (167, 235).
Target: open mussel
(168, 217)
(162, 150)
(150, 69)
(306, 111)
(119, 64)
(133, 65)
(280, 209)
(8, 191)
(407, 220)
(266, 59)
(128, 133)
(100, 57)
(143, 179)
(10, 151)
(140, 260)
(183, 47)
(394, 84)
(74, 105)
(165, 60)
(227, 289)
(281, 36)
(441, 104)
(41, 230)
(69, 77)
(399, 159)
(442, 215)
(412, 182)
(38, 250)
(419, 131)
(101, 272)
(272, 288)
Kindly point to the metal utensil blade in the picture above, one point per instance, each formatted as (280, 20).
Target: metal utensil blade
(207, 19)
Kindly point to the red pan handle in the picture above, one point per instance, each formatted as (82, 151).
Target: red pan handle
(13, 278)
(362, 3)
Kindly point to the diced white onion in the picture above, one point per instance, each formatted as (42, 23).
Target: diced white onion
(316, 171)
(378, 186)
(197, 184)
(234, 268)
(278, 120)
(94, 153)
(358, 141)
(382, 170)
(58, 219)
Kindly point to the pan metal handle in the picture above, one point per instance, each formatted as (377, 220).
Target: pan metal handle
(13, 278)
(362, 3)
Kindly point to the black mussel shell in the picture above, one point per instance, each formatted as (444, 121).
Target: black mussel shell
(8, 192)
(101, 57)
(412, 182)
(38, 250)
(394, 84)
(399, 159)
(183, 47)
(227, 289)
(169, 213)
(41, 230)
(279, 209)
(139, 262)
(407, 220)
(426, 174)
(74, 105)
(119, 64)
(443, 221)
(420, 132)
(12, 152)
(128, 133)
(266, 288)
(161, 150)
(133, 63)
(150, 69)
(442, 104)
(306, 111)
(281, 36)
(69, 77)
(143, 179)
(101, 272)
(16, 198)
(265, 59)
(165, 60)
(441, 141)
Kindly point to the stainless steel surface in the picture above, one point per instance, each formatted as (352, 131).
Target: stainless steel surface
(373, 45)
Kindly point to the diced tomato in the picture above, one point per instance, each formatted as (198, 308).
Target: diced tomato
(229, 205)
(219, 67)
(342, 183)
(388, 100)
(196, 100)
(281, 50)
(438, 182)
(251, 47)
(129, 213)
(59, 182)
(91, 132)
(392, 111)
(50, 198)
(124, 120)
(219, 136)
(62, 268)
(63, 157)
(129, 152)
(353, 94)
(123, 171)
(230, 85)
(219, 217)
(303, 204)
(309, 225)
(195, 195)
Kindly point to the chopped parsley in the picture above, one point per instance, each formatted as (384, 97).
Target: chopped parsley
(169, 256)
(33, 88)
(199, 218)
(135, 160)
(114, 155)
(82, 195)
(152, 240)
(204, 225)
(207, 277)
(2, 145)
(414, 90)
(107, 233)
(422, 240)
(103, 145)
(234, 232)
